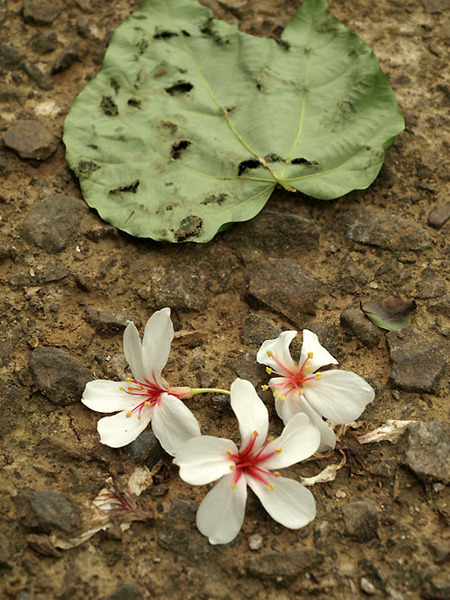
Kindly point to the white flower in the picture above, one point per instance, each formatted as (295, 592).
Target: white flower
(204, 459)
(146, 397)
(340, 396)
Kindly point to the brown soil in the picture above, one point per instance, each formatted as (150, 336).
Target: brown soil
(52, 447)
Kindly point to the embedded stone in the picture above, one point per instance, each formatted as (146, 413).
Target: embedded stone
(355, 320)
(439, 215)
(30, 140)
(257, 330)
(48, 511)
(361, 520)
(145, 449)
(39, 12)
(66, 58)
(428, 452)
(127, 591)
(58, 375)
(285, 287)
(108, 322)
(10, 57)
(43, 80)
(284, 565)
(43, 43)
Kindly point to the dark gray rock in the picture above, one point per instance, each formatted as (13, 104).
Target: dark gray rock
(108, 322)
(43, 43)
(439, 215)
(127, 591)
(12, 400)
(30, 140)
(350, 276)
(246, 367)
(43, 80)
(39, 12)
(51, 224)
(436, 6)
(66, 58)
(418, 362)
(58, 375)
(257, 330)
(145, 449)
(10, 58)
(274, 233)
(83, 24)
(361, 520)
(48, 510)
(355, 320)
(287, 564)
(428, 451)
(440, 550)
(330, 336)
(285, 287)
(205, 379)
(442, 306)
(431, 284)
(385, 230)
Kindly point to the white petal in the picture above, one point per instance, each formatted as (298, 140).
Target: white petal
(204, 459)
(221, 514)
(250, 411)
(280, 349)
(120, 430)
(321, 356)
(158, 336)
(298, 441)
(173, 423)
(327, 435)
(340, 396)
(288, 502)
(106, 396)
(289, 407)
(132, 348)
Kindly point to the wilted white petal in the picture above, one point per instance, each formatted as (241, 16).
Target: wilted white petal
(327, 435)
(340, 396)
(327, 474)
(221, 514)
(279, 347)
(298, 441)
(120, 430)
(250, 411)
(106, 396)
(288, 502)
(321, 356)
(158, 336)
(392, 431)
(132, 348)
(173, 423)
(204, 459)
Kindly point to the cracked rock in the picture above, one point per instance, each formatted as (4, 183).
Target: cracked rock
(30, 140)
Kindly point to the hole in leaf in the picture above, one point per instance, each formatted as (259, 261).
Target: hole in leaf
(215, 199)
(85, 168)
(303, 161)
(190, 227)
(246, 165)
(170, 126)
(109, 107)
(285, 45)
(135, 102)
(177, 148)
(182, 87)
(186, 33)
(271, 158)
(165, 34)
(131, 187)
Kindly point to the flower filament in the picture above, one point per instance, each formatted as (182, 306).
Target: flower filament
(150, 391)
(248, 461)
(293, 378)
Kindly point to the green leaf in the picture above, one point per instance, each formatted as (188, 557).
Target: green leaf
(191, 124)
(393, 313)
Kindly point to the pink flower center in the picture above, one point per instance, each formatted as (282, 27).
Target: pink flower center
(294, 378)
(248, 461)
(149, 391)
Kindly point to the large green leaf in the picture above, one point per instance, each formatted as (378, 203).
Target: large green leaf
(191, 124)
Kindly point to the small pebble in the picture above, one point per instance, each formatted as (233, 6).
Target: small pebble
(255, 541)
(366, 586)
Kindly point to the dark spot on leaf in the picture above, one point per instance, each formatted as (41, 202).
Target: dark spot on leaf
(177, 148)
(131, 187)
(190, 227)
(141, 44)
(135, 102)
(115, 86)
(170, 126)
(172, 205)
(285, 45)
(109, 107)
(93, 146)
(85, 168)
(208, 29)
(160, 73)
(129, 216)
(307, 163)
(353, 53)
(138, 80)
(307, 50)
(230, 109)
(246, 165)
(165, 34)
(215, 199)
(258, 86)
(327, 26)
(271, 158)
(181, 87)
(186, 33)
(138, 17)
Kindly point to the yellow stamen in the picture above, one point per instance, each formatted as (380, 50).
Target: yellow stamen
(269, 353)
(128, 414)
(139, 417)
(147, 403)
(318, 375)
(255, 433)
(308, 368)
(122, 389)
(264, 387)
(275, 394)
(232, 467)
(229, 453)
(281, 398)
(270, 438)
(129, 380)
(268, 371)
(276, 473)
(233, 486)
(301, 393)
(278, 450)
(130, 388)
(310, 354)
(270, 486)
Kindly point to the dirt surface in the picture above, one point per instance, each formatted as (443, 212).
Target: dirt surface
(69, 282)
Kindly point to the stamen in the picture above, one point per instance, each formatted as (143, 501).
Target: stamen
(270, 439)
(278, 450)
(276, 473)
(228, 453)
(270, 486)
(281, 398)
(318, 375)
(122, 389)
(232, 467)
(269, 371)
(128, 414)
(308, 368)
(264, 387)
(310, 354)
(233, 486)
(269, 353)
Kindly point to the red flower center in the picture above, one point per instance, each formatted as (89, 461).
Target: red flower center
(246, 460)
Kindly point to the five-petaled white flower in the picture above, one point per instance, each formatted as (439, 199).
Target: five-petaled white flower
(340, 396)
(147, 397)
(204, 459)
